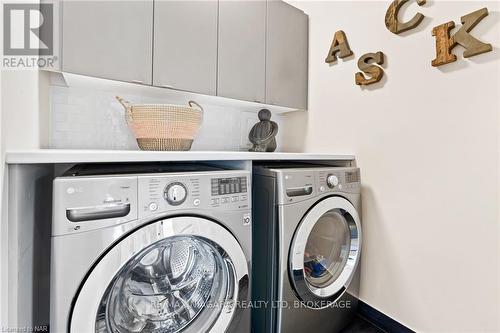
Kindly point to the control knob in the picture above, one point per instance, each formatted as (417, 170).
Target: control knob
(175, 193)
(332, 181)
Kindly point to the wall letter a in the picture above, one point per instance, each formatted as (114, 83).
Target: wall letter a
(340, 45)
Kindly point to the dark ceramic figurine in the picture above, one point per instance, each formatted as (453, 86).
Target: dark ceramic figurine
(263, 134)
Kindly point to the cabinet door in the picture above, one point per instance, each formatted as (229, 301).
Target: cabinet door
(286, 55)
(185, 45)
(109, 39)
(242, 50)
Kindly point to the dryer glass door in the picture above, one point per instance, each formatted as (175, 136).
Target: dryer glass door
(325, 251)
(177, 275)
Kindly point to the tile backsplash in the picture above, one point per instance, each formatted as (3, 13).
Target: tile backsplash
(91, 118)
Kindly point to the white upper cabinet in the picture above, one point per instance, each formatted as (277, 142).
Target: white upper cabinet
(253, 50)
(108, 39)
(286, 55)
(242, 50)
(185, 45)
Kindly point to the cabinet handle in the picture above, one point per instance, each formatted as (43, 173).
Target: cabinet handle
(137, 81)
(166, 86)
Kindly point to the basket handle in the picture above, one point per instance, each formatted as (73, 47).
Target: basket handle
(123, 102)
(127, 106)
(191, 103)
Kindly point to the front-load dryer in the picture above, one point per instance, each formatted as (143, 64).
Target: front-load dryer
(156, 251)
(307, 236)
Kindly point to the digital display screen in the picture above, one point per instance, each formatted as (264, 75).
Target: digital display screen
(351, 177)
(223, 186)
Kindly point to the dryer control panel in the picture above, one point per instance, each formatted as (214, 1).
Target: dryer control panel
(298, 184)
(340, 180)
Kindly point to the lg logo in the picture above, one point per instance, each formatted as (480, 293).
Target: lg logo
(28, 29)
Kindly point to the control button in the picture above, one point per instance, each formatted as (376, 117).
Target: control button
(243, 197)
(175, 193)
(196, 202)
(322, 189)
(246, 220)
(153, 206)
(215, 201)
(225, 200)
(332, 181)
(234, 199)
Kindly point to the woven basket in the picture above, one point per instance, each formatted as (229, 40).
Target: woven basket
(163, 126)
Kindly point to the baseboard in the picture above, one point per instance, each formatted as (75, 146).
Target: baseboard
(380, 320)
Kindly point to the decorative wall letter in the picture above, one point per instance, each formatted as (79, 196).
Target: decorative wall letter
(445, 43)
(340, 45)
(375, 72)
(391, 17)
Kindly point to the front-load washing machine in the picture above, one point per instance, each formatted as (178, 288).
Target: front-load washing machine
(307, 236)
(161, 250)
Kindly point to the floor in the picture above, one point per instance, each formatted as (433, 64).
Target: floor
(361, 325)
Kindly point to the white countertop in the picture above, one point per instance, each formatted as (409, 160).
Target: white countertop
(109, 156)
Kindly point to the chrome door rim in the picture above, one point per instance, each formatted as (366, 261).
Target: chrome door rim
(85, 309)
(334, 290)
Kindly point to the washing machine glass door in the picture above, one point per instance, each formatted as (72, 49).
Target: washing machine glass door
(325, 251)
(177, 275)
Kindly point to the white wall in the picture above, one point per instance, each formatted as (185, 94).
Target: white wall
(84, 114)
(3, 234)
(21, 123)
(427, 142)
(20, 109)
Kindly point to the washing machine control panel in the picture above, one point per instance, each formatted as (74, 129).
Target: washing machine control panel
(92, 202)
(224, 190)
